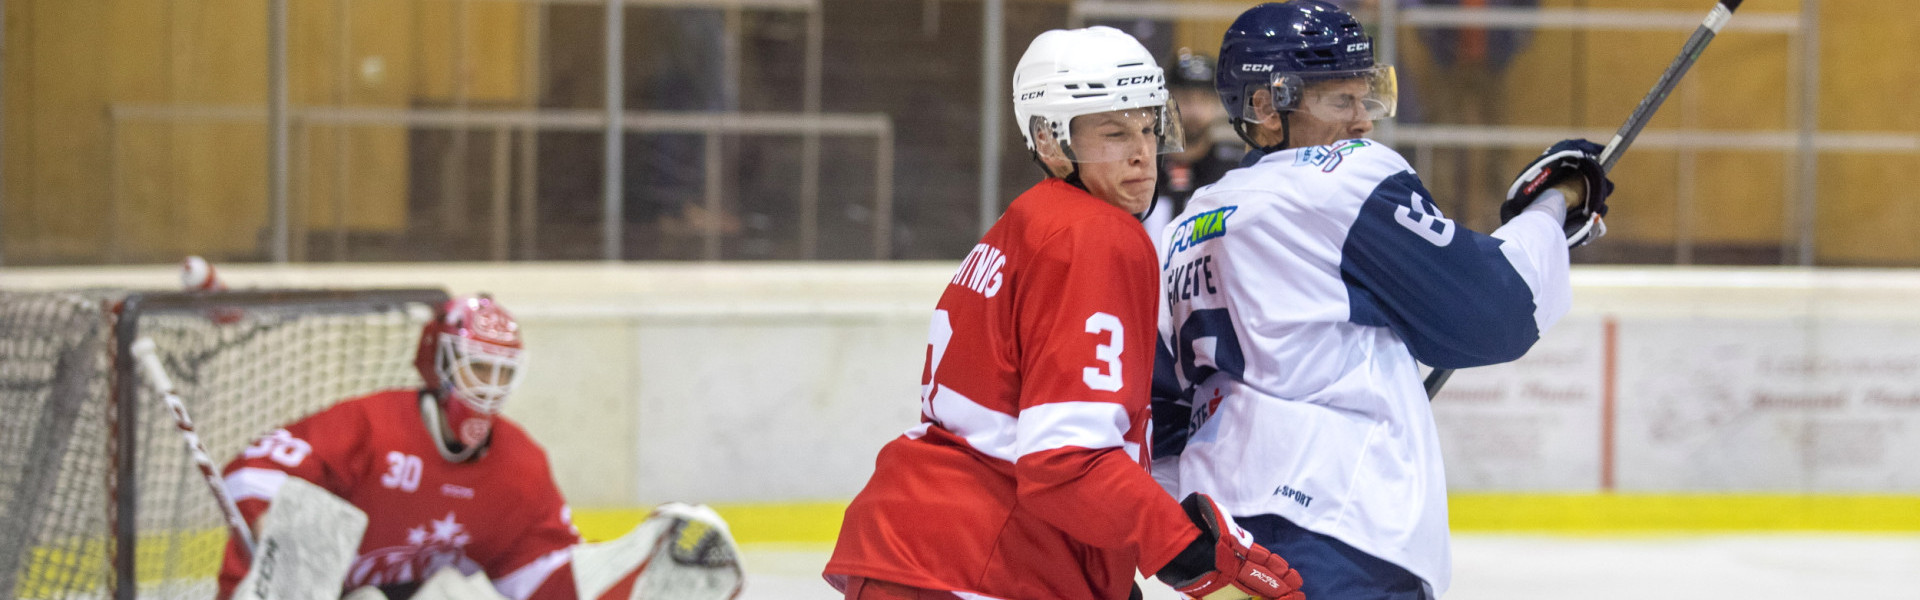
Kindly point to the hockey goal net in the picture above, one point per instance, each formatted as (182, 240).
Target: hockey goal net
(98, 496)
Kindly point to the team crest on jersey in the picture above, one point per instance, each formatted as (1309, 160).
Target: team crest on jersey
(1328, 157)
(1198, 228)
(441, 543)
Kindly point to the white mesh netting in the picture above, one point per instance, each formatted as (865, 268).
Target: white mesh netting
(241, 372)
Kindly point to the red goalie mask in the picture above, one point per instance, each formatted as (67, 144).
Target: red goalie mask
(470, 356)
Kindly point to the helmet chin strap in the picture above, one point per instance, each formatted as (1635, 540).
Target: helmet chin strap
(1286, 134)
(436, 422)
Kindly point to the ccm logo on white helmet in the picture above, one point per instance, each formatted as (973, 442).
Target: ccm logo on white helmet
(1256, 68)
(1136, 80)
(1031, 95)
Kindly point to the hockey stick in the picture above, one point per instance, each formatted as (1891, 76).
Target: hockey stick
(1716, 18)
(149, 360)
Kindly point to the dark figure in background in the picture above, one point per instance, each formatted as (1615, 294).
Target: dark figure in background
(1467, 86)
(678, 51)
(1206, 157)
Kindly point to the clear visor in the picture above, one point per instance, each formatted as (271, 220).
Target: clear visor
(1120, 135)
(482, 374)
(1348, 96)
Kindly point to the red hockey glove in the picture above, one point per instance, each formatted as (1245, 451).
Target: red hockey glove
(1238, 568)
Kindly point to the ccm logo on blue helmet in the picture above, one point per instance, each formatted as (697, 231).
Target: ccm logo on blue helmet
(1256, 68)
(1359, 46)
(1031, 95)
(1137, 80)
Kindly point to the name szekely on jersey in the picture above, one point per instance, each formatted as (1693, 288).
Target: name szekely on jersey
(1300, 291)
(499, 513)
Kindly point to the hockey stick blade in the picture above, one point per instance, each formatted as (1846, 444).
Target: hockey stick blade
(1689, 53)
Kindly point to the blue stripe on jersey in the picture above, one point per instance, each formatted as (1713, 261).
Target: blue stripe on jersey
(1172, 410)
(1447, 291)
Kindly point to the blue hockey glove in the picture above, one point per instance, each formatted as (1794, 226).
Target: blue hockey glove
(1576, 162)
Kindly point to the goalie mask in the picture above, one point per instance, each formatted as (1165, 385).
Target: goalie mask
(470, 356)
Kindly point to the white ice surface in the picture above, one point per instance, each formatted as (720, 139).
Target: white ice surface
(1531, 567)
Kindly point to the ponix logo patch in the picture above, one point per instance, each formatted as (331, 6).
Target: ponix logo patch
(1328, 158)
(1199, 228)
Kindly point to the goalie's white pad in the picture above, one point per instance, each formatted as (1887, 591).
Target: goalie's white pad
(681, 552)
(306, 543)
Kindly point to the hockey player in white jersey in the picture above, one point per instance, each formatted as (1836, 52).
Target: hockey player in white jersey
(1302, 289)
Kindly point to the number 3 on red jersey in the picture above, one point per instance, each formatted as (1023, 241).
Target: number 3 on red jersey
(1100, 379)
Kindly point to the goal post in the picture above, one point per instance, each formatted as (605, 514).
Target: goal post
(98, 495)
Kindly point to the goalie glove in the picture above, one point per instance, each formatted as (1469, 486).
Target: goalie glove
(682, 552)
(1224, 563)
(1573, 166)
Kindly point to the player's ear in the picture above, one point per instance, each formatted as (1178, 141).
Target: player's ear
(1047, 148)
(1264, 112)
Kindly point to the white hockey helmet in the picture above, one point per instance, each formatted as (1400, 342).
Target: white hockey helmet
(1068, 73)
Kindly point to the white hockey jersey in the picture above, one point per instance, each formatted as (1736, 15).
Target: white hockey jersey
(1300, 291)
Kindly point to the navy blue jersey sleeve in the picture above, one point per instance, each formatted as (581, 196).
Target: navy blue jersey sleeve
(1449, 292)
(1172, 410)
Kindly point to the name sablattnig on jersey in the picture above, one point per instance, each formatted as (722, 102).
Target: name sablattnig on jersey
(1187, 281)
(980, 272)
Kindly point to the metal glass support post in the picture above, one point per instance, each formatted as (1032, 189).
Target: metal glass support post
(534, 72)
(502, 181)
(1809, 153)
(3, 129)
(810, 142)
(453, 165)
(883, 195)
(277, 127)
(992, 101)
(611, 188)
(343, 58)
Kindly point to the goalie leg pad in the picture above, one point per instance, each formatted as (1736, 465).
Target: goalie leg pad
(307, 541)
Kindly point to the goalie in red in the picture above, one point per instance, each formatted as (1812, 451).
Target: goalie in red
(444, 479)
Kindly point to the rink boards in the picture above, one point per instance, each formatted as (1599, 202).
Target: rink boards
(1670, 398)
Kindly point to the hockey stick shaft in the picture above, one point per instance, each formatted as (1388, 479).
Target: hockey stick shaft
(1637, 121)
(1689, 53)
(156, 374)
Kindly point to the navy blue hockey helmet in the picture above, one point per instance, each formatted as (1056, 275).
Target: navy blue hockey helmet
(1287, 45)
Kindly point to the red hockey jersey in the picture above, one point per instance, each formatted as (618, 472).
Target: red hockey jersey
(1026, 478)
(499, 513)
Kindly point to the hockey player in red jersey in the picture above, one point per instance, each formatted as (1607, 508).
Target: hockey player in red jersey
(445, 480)
(1025, 479)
